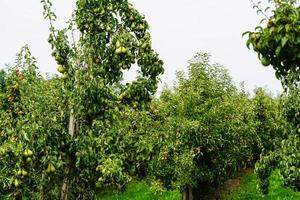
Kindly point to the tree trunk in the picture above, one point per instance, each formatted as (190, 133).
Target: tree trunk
(185, 195)
(191, 194)
(65, 188)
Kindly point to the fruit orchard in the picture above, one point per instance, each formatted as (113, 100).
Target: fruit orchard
(83, 131)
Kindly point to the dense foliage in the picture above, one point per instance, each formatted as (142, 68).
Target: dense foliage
(210, 129)
(32, 129)
(278, 44)
(272, 127)
(197, 134)
(286, 156)
(63, 137)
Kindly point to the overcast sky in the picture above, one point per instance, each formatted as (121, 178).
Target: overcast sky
(179, 29)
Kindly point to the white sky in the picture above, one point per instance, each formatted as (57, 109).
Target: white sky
(179, 29)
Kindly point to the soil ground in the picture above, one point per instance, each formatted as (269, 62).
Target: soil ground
(230, 185)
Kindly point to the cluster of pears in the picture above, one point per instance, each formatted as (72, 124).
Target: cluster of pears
(61, 61)
(28, 155)
(50, 168)
(164, 156)
(137, 22)
(120, 49)
(22, 173)
(61, 69)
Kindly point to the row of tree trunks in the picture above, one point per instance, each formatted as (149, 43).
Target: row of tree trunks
(187, 194)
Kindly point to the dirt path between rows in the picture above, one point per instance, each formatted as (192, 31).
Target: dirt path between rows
(231, 184)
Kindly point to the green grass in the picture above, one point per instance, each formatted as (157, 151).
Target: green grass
(248, 191)
(139, 191)
(135, 191)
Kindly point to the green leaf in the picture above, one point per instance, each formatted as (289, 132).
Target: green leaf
(261, 21)
(284, 40)
(245, 33)
(258, 28)
(278, 50)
